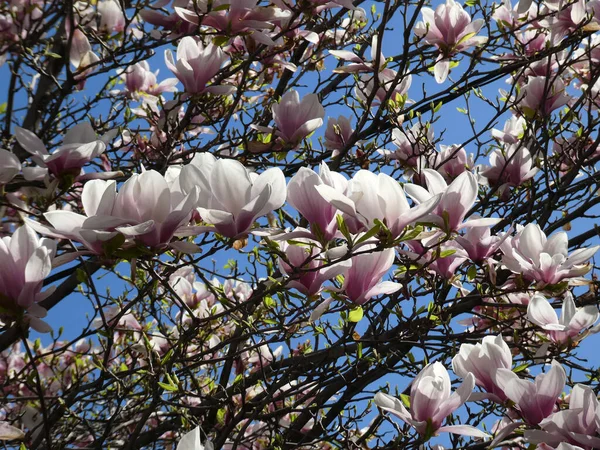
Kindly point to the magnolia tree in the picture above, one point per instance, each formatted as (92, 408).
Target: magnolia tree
(262, 233)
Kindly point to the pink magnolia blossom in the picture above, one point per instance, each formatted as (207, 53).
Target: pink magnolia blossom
(307, 267)
(535, 400)
(449, 28)
(363, 280)
(358, 64)
(451, 161)
(587, 57)
(542, 96)
(572, 323)
(183, 282)
(80, 146)
(196, 65)
(456, 199)
(513, 17)
(112, 18)
(544, 260)
(479, 243)
(304, 196)
(258, 358)
(511, 166)
(338, 134)
(444, 265)
(10, 166)
(296, 119)
(155, 14)
(563, 17)
(579, 425)
(139, 78)
(231, 197)
(391, 86)
(122, 322)
(234, 17)
(146, 209)
(483, 360)
(410, 144)
(19, 18)
(25, 260)
(237, 291)
(513, 131)
(573, 151)
(369, 197)
(431, 402)
(82, 57)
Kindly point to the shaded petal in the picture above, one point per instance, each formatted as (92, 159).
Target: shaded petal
(98, 197)
(30, 142)
(393, 405)
(464, 430)
(337, 199)
(9, 433)
(231, 185)
(540, 312)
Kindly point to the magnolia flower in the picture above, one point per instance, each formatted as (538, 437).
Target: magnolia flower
(431, 402)
(514, 17)
(544, 260)
(306, 267)
(535, 400)
(451, 161)
(450, 259)
(338, 134)
(232, 197)
(513, 131)
(146, 208)
(479, 243)
(542, 96)
(139, 78)
(10, 166)
(390, 86)
(369, 197)
(183, 282)
(358, 64)
(237, 291)
(304, 196)
(112, 18)
(573, 321)
(578, 425)
(362, 281)
(80, 145)
(411, 144)
(483, 360)
(233, 17)
(511, 166)
(193, 441)
(25, 260)
(196, 65)
(456, 199)
(258, 358)
(296, 119)
(81, 56)
(450, 29)
(573, 151)
(565, 17)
